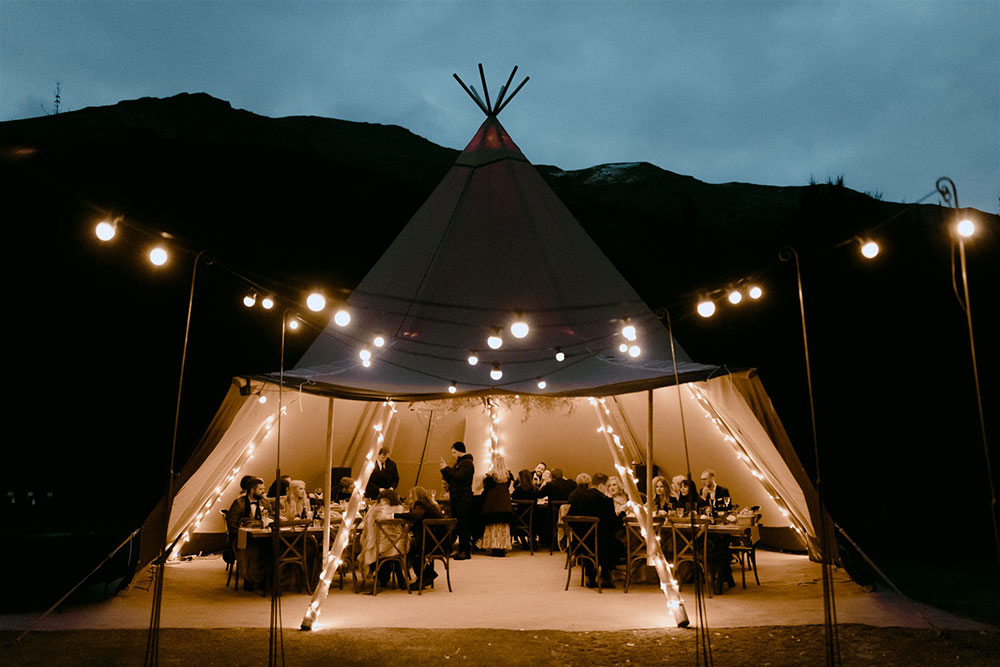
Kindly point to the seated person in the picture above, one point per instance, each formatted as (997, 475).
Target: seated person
(249, 510)
(595, 502)
(279, 487)
(295, 504)
(386, 507)
(558, 488)
(713, 494)
(582, 484)
(689, 500)
(661, 499)
(536, 476)
(616, 492)
(675, 489)
(524, 488)
(344, 490)
(422, 506)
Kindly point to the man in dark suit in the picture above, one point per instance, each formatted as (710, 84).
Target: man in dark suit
(384, 476)
(248, 510)
(459, 480)
(711, 492)
(593, 501)
(559, 488)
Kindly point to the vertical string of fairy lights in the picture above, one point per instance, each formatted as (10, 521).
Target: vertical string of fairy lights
(663, 569)
(758, 471)
(493, 430)
(334, 559)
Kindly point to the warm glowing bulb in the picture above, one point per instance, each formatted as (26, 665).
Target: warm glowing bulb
(755, 292)
(560, 355)
(262, 400)
(267, 302)
(250, 300)
(366, 363)
(629, 332)
(623, 347)
(293, 324)
(316, 302)
(869, 249)
(706, 308)
(494, 342)
(542, 384)
(496, 373)
(519, 329)
(378, 341)
(966, 228)
(473, 359)
(342, 318)
(735, 297)
(158, 256)
(452, 388)
(365, 355)
(634, 351)
(105, 230)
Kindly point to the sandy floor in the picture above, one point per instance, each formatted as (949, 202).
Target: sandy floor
(519, 592)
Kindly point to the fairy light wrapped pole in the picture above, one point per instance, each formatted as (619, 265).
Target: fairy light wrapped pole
(654, 553)
(334, 559)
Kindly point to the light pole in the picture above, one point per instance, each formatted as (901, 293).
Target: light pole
(960, 231)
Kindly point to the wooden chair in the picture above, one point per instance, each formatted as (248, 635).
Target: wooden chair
(744, 550)
(556, 508)
(635, 546)
(691, 545)
(294, 544)
(391, 546)
(581, 546)
(524, 521)
(438, 535)
(234, 567)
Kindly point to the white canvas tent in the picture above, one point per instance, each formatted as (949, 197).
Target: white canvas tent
(491, 245)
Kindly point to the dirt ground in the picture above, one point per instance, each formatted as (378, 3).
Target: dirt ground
(798, 645)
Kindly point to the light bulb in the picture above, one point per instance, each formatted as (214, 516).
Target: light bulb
(966, 228)
(629, 332)
(634, 351)
(342, 318)
(365, 355)
(267, 302)
(293, 324)
(869, 249)
(250, 300)
(158, 256)
(623, 347)
(473, 359)
(105, 230)
(316, 302)
(378, 341)
(560, 355)
(262, 399)
(519, 329)
(496, 373)
(706, 308)
(494, 341)
(366, 363)
(735, 297)
(452, 388)
(542, 384)
(755, 292)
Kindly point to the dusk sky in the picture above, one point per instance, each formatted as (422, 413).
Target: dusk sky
(889, 94)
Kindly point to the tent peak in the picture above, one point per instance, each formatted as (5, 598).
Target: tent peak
(491, 109)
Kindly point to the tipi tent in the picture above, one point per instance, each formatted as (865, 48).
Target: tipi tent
(592, 373)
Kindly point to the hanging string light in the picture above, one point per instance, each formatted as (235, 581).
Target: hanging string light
(158, 256)
(473, 359)
(316, 302)
(755, 292)
(378, 341)
(706, 308)
(735, 296)
(250, 300)
(869, 249)
(106, 230)
(267, 303)
(495, 341)
(542, 384)
(560, 355)
(342, 318)
(496, 373)
(966, 228)
(519, 328)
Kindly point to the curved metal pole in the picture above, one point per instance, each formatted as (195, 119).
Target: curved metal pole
(949, 193)
(832, 641)
(152, 657)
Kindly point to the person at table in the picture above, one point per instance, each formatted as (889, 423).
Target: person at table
(248, 511)
(344, 490)
(583, 481)
(616, 491)
(536, 476)
(661, 498)
(524, 487)
(559, 488)
(689, 499)
(675, 489)
(386, 506)
(594, 501)
(384, 476)
(713, 494)
(422, 506)
(459, 479)
(295, 504)
(497, 511)
(544, 480)
(279, 487)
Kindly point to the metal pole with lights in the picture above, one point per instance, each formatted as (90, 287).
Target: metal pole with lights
(962, 230)
(832, 641)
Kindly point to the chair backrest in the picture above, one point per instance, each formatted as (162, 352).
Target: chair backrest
(437, 537)
(391, 537)
(523, 513)
(582, 532)
(687, 542)
(634, 541)
(292, 543)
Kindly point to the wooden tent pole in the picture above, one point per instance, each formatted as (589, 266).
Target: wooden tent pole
(649, 457)
(427, 439)
(328, 487)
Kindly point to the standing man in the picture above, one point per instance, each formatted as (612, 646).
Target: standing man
(594, 501)
(459, 480)
(384, 476)
(712, 492)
